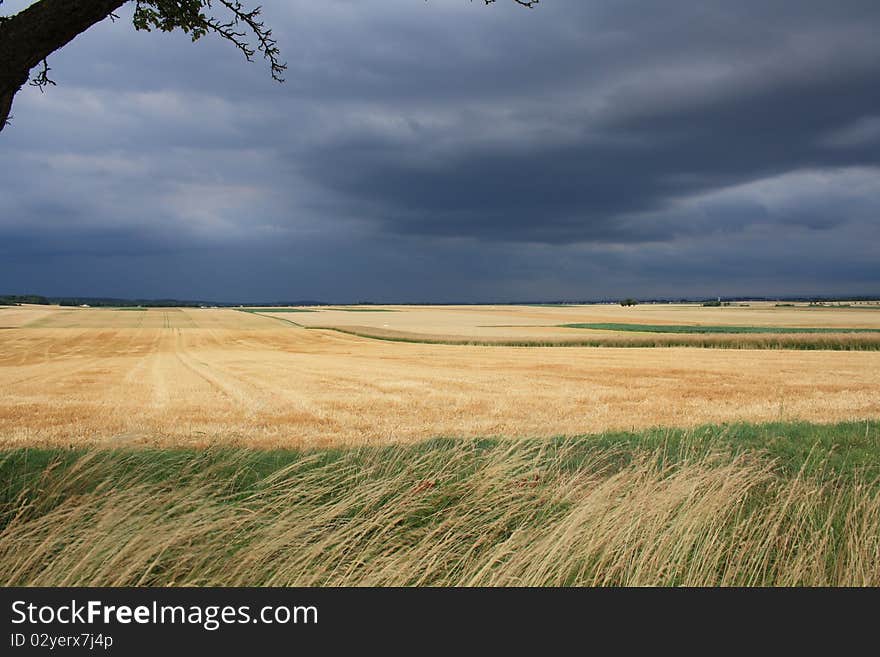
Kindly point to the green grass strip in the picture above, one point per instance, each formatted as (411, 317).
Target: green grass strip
(774, 504)
(815, 344)
(275, 310)
(848, 450)
(364, 310)
(692, 329)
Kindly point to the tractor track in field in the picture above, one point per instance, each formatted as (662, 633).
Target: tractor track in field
(226, 385)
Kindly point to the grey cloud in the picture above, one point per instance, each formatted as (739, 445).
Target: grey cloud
(452, 151)
(642, 150)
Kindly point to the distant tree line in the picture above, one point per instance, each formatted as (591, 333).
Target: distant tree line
(18, 299)
(127, 303)
(99, 302)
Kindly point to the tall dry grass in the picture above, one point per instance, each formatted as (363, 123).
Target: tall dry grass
(448, 514)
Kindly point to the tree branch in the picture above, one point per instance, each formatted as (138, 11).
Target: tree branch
(524, 3)
(167, 15)
(41, 79)
(265, 43)
(29, 37)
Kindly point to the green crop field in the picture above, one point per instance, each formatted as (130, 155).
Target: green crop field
(697, 329)
(770, 340)
(275, 310)
(363, 310)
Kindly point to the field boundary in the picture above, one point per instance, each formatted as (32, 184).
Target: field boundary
(697, 329)
(632, 343)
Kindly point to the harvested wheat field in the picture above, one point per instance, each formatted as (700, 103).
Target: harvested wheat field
(195, 377)
(753, 325)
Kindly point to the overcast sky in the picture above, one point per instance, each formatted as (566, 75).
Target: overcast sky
(450, 151)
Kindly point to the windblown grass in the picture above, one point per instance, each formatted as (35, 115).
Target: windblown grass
(680, 508)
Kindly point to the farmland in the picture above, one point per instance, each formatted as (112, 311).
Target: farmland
(760, 325)
(414, 446)
(197, 377)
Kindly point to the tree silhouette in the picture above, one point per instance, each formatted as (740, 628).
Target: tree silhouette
(30, 36)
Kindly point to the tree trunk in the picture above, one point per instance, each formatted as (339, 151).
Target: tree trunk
(33, 34)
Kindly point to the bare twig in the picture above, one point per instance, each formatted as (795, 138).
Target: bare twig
(188, 15)
(41, 80)
(524, 3)
(266, 44)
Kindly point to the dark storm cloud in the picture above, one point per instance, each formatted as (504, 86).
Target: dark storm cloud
(646, 143)
(451, 151)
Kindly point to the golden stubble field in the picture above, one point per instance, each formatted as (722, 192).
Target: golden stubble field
(207, 376)
(542, 325)
(542, 321)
